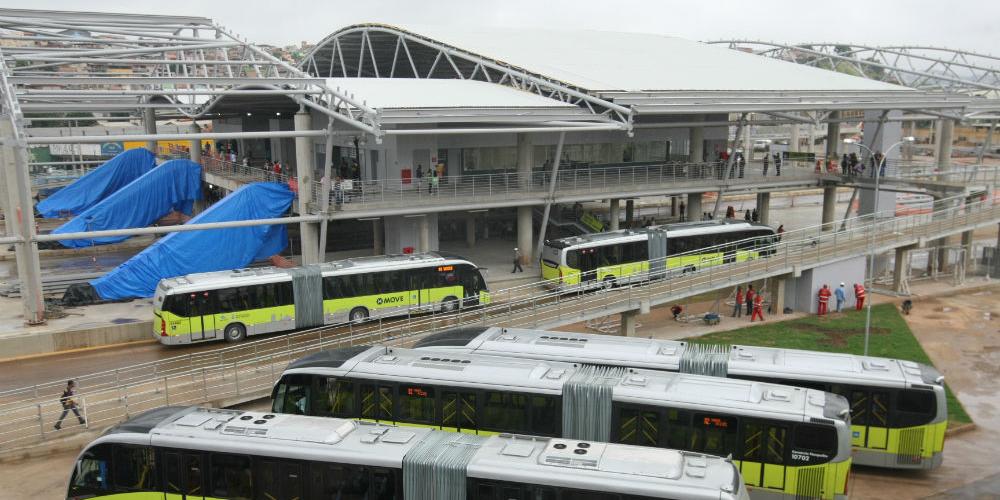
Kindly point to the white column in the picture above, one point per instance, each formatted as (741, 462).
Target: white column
(149, 123)
(764, 207)
(525, 161)
(424, 227)
(694, 209)
(943, 153)
(378, 237)
(470, 230)
(524, 230)
(195, 144)
(793, 140)
(308, 231)
(829, 207)
(697, 144)
(833, 137)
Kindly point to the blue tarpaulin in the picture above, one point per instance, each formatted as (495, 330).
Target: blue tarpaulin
(98, 184)
(188, 252)
(174, 185)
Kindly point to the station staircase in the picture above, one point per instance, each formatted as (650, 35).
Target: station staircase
(236, 374)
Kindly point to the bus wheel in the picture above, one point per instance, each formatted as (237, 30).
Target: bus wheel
(609, 282)
(235, 333)
(359, 315)
(449, 305)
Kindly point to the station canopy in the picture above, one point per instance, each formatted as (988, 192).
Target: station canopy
(648, 73)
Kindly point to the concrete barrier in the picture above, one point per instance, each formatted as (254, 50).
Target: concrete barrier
(44, 342)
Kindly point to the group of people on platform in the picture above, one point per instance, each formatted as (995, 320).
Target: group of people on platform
(754, 301)
(851, 165)
(739, 162)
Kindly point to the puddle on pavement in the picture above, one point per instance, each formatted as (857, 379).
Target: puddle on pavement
(122, 321)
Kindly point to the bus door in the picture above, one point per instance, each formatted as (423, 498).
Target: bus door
(458, 411)
(184, 475)
(589, 262)
(870, 419)
(201, 316)
(377, 403)
(763, 461)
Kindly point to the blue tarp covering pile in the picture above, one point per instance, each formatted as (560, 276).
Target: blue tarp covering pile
(174, 185)
(188, 252)
(86, 191)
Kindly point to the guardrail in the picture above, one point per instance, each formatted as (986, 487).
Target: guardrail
(247, 371)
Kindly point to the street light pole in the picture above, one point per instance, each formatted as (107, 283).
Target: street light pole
(871, 249)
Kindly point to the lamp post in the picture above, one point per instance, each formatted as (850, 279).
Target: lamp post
(871, 250)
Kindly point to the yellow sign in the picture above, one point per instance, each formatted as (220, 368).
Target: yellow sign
(164, 147)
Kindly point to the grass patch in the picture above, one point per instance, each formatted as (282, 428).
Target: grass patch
(890, 338)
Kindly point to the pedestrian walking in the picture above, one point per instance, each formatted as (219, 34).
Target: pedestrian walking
(844, 164)
(824, 300)
(859, 296)
(767, 161)
(751, 293)
(730, 212)
(420, 176)
(338, 192)
(738, 307)
(746, 215)
(517, 262)
(682, 207)
(777, 164)
(758, 308)
(755, 216)
(69, 404)
(742, 162)
(434, 183)
(841, 296)
(676, 310)
(781, 230)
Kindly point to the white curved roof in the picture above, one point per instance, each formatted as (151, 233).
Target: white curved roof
(633, 62)
(412, 93)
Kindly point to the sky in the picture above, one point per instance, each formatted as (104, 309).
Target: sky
(969, 25)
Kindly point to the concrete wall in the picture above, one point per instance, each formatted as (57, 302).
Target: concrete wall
(401, 232)
(800, 293)
(42, 342)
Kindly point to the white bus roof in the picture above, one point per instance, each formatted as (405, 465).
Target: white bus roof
(270, 274)
(695, 392)
(750, 361)
(533, 460)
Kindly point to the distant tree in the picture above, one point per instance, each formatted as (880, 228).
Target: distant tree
(843, 50)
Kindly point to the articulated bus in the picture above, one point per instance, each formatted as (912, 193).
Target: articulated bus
(616, 257)
(234, 304)
(789, 442)
(206, 454)
(898, 408)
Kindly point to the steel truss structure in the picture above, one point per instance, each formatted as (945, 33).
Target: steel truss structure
(383, 51)
(931, 69)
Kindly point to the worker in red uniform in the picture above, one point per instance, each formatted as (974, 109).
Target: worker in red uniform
(758, 307)
(824, 299)
(859, 296)
(738, 307)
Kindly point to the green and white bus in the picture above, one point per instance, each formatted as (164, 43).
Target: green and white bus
(233, 304)
(616, 257)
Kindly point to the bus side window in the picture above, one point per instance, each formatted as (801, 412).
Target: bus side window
(546, 414)
(283, 294)
(293, 395)
(176, 304)
(91, 473)
(914, 407)
(573, 259)
(334, 397)
(227, 300)
(715, 434)
(134, 468)
(231, 477)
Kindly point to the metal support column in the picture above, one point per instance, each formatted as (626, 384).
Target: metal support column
(764, 207)
(553, 181)
(324, 189)
(21, 210)
(149, 123)
(308, 231)
(378, 237)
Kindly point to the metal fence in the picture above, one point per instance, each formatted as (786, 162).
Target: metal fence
(247, 371)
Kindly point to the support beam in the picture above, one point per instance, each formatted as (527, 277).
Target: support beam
(614, 213)
(697, 143)
(629, 213)
(694, 209)
(764, 207)
(793, 141)
(987, 144)
(629, 321)
(149, 124)
(324, 194)
(537, 255)
(308, 231)
(195, 144)
(424, 229)
(778, 297)
(524, 230)
(470, 230)
(968, 246)
(833, 137)
(378, 237)
(829, 207)
(14, 157)
(943, 153)
(901, 270)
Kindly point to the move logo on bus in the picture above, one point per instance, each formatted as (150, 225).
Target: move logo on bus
(389, 300)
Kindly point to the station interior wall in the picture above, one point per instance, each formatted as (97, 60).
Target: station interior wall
(801, 293)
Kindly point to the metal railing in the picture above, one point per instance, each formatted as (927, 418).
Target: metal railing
(247, 371)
